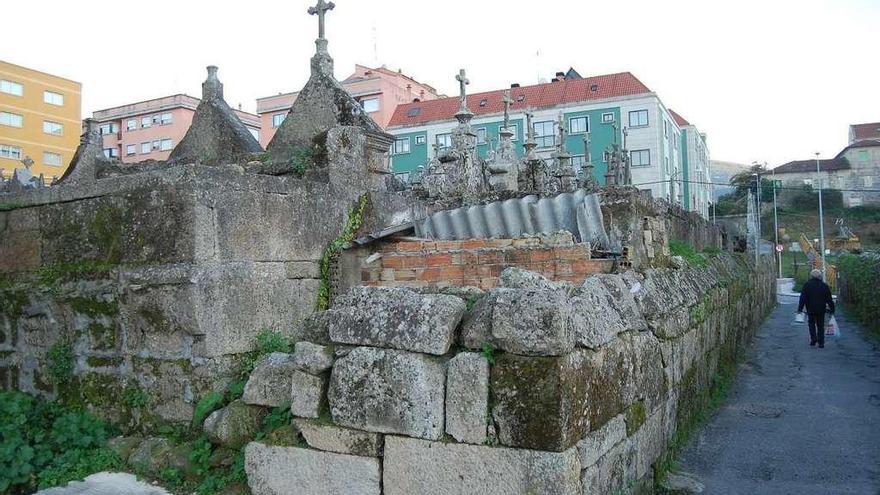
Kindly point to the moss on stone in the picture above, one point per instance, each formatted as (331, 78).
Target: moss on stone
(94, 307)
(107, 229)
(635, 417)
(104, 362)
(101, 337)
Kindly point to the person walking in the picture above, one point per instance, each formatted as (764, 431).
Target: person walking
(815, 297)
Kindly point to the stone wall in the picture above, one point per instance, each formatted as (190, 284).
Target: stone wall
(477, 262)
(536, 387)
(157, 279)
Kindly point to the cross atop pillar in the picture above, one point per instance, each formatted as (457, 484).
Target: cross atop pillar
(507, 100)
(321, 10)
(463, 81)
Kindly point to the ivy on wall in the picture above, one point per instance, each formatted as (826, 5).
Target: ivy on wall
(354, 222)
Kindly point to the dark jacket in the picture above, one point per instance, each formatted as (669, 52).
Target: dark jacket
(815, 295)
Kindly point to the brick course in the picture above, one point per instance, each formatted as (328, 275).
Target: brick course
(479, 262)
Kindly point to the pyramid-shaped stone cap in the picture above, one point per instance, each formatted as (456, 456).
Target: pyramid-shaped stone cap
(322, 104)
(216, 135)
(89, 154)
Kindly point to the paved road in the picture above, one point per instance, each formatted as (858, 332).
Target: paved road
(799, 420)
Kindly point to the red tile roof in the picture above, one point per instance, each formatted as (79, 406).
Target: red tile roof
(802, 166)
(538, 96)
(865, 131)
(679, 119)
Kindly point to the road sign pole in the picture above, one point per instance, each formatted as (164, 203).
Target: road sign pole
(821, 220)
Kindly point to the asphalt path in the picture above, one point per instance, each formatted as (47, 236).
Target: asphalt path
(798, 420)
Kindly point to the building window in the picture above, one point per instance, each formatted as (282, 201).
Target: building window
(109, 129)
(11, 152)
(665, 129)
(869, 181)
(421, 139)
(370, 105)
(666, 164)
(53, 128)
(51, 159)
(166, 118)
(578, 161)
(146, 122)
(278, 119)
(579, 125)
(513, 128)
(444, 140)
(481, 135)
(11, 88)
(675, 140)
(640, 158)
(545, 133)
(401, 146)
(863, 155)
(130, 149)
(638, 118)
(607, 118)
(145, 148)
(53, 98)
(11, 119)
(131, 125)
(165, 145)
(111, 152)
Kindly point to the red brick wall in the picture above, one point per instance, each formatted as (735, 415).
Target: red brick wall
(478, 262)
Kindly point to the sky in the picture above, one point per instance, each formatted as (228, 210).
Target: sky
(766, 80)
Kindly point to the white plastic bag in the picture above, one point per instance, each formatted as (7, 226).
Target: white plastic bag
(832, 329)
(799, 318)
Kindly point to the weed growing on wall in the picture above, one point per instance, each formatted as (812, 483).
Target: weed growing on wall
(61, 362)
(691, 256)
(858, 286)
(354, 222)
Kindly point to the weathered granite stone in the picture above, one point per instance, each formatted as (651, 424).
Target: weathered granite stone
(275, 470)
(88, 157)
(216, 135)
(396, 318)
(540, 402)
(340, 440)
(414, 466)
(673, 324)
(124, 446)
(521, 321)
(614, 472)
(598, 442)
(388, 391)
(270, 382)
(315, 328)
(152, 454)
(602, 308)
(312, 358)
(307, 394)
(467, 397)
(302, 269)
(517, 278)
(234, 425)
(682, 484)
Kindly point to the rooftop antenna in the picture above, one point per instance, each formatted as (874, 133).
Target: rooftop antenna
(375, 45)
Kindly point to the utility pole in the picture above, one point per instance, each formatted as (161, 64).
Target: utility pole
(776, 226)
(821, 218)
(758, 239)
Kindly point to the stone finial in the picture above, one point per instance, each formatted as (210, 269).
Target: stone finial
(464, 114)
(506, 100)
(321, 10)
(28, 162)
(83, 169)
(212, 88)
(562, 132)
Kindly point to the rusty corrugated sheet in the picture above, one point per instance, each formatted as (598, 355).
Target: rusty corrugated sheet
(577, 212)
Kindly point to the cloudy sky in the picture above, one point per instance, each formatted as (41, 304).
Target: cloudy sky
(767, 80)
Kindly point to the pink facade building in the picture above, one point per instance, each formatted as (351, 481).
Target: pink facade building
(149, 130)
(378, 90)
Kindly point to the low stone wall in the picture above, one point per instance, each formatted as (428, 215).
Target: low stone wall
(156, 282)
(479, 262)
(537, 387)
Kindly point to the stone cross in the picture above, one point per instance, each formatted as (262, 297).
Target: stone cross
(506, 100)
(462, 83)
(321, 10)
(614, 130)
(561, 125)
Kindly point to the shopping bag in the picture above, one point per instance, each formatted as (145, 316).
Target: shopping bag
(799, 318)
(831, 328)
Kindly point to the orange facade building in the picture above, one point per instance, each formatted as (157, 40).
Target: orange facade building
(40, 121)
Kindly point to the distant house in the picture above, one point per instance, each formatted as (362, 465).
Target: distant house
(864, 132)
(855, 171)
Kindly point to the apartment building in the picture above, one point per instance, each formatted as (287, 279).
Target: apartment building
(696, 176)
(610, 108)
(40, 120)
(149, 130)
(378, 90)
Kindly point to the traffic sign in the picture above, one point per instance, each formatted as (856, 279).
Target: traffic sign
(779, 248)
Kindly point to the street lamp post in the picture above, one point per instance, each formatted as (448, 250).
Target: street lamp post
(776, 226)
(821, 219)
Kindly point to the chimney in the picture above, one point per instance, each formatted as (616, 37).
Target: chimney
(514, 85)
(560, 76)
(416, 100)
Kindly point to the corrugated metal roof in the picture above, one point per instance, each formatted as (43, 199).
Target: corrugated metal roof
(577, 212)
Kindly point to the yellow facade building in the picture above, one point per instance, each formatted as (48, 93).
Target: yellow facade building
(40, 119)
